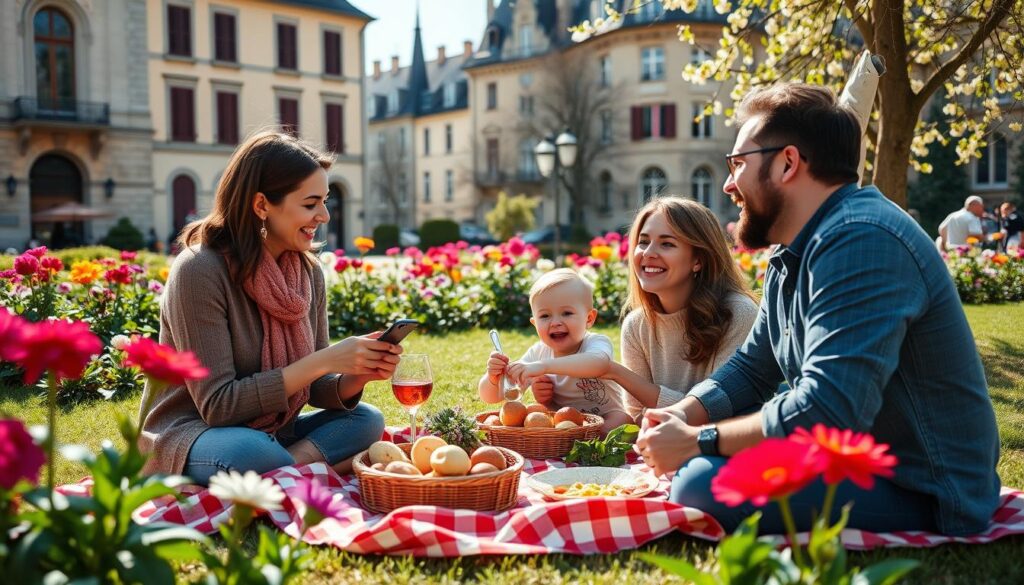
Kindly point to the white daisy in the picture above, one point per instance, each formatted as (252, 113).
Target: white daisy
(249, 490)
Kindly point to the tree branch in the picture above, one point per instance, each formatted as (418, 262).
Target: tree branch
(1000, 10)
(863, 23)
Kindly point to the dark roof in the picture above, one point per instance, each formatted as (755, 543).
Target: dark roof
(340, 6)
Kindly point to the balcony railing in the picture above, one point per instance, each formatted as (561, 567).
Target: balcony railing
(61, 110)
(491, 178)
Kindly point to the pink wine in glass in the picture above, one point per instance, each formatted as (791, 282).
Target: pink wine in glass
(412, 393)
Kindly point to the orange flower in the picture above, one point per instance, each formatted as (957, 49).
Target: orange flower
(1000, 259)
(368, 267)
(456, 275)
(363, 244)
(850, 455)
(164, 273)
(85, 272)
(972, 241)
(601, 252)
(746, 262)
(997, 236)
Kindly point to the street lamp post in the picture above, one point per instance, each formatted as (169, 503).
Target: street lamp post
(550, 165)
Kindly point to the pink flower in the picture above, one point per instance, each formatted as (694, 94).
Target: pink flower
(623, 248)
(62, 347)
(120, 275)
(127, 256)
(20, 457)
(342, 264)
(64, 288)
(37, 252)
(772, 469)
(26, 264)
(9, 274)
(612, 237)
(319, 500)
(394, 251)
(11, 331)
(598, 241)
(516, 247)
(850, 455)
(357, 263)
(412, 252)
(163, 363)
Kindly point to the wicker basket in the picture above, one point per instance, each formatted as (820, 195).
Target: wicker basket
(534, 443)
(487, 492)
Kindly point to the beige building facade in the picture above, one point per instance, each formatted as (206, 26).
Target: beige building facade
(221, 69)
(74, 119)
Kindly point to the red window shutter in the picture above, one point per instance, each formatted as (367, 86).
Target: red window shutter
(334, 128)
(332, 53)
(227, 118)
(668, 121)
(286, 53)
(224, 29)
(182, 115)
(636, 122)
(179, 35)
(288, 109)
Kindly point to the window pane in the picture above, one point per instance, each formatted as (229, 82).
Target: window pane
(1000, 156)
(41, 23)
(43, 74)
(61, 26)
(982, 166)
(65, 65)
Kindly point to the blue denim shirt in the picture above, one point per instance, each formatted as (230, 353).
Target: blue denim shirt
(861, 319)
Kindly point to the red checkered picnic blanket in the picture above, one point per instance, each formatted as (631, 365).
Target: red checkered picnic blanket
(532, 526)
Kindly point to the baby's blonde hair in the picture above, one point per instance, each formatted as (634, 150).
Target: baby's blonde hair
(561, 276)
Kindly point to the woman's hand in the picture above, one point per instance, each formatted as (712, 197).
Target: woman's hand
(364, 355)
(666, 442)
(496, 365)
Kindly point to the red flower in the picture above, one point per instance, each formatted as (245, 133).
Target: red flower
(341, 265)
(516, 247)
(26, 264)
(37, 252)
(51, 263)
(850, 455)
(11, 328)
(20, 457)
(120, 275)
(772, 469)
(62, 347)
(163, 363)
(357, 263)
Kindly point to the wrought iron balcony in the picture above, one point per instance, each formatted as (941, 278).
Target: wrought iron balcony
(64, 110)
(491, 178)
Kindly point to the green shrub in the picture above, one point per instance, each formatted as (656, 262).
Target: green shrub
(511, 215)
(580, 235)
(437, 232)
(547, 250)
(125, 236)
(385, 236)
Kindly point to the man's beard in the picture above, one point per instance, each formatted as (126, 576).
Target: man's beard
(755, 222)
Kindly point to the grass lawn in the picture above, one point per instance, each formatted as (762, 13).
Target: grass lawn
(458, 361)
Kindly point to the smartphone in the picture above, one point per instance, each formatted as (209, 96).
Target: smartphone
(399, 330)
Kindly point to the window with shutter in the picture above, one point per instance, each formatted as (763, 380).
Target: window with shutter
(332, 53)
(636, 118)
(287, 55)
(179, 31)
(182, 115)
(224, 43)
(227, 118)
(668, 121)
(335, 134)
(288, 113)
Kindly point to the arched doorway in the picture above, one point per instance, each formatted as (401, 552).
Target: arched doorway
(55, 180)
(183, 197)
(336, 227)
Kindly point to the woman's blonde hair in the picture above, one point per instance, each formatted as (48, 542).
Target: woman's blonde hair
(268, 162)
(707, 313)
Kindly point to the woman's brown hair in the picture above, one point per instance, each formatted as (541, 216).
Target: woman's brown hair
(707, 314)
(268, 162)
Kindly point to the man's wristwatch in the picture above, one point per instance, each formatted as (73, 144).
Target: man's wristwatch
(707, 440)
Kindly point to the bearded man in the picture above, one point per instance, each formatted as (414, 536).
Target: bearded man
(861, 321)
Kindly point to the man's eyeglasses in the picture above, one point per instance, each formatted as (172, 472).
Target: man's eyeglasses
(732, 165)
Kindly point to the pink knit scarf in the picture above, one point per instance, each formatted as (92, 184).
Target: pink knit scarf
(283, 294)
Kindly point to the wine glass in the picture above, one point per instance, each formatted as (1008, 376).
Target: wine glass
(412, 383)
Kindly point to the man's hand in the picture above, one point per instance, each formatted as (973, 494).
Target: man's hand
(666, 442)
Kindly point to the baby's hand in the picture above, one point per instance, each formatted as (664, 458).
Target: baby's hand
(520, 373)
(543, 389)
(496, 366)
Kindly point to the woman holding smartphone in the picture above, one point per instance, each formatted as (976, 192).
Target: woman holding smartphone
(247, 296)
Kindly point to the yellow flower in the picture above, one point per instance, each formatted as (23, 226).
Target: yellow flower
(746, 263)
(997, 236)
(456, 275)
(495, 254)
(762, 264)
(363, 244)
(85, 271)
(164, 273)
(972, 241)
(602, 253)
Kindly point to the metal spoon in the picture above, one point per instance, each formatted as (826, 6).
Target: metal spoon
(512, 393)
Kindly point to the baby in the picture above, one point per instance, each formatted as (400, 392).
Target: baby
(563, 368)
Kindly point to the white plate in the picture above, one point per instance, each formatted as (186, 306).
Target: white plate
(546, 481)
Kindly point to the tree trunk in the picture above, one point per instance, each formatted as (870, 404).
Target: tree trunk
(892, 159)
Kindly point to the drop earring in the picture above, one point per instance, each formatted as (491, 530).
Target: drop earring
(263, 230)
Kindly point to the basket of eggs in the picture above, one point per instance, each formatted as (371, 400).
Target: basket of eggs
(537, 433)
(434, 473)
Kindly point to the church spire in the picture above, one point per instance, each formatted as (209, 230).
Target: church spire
(418, 84)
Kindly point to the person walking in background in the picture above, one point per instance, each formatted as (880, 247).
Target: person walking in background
(962, 224)
(1011, 223)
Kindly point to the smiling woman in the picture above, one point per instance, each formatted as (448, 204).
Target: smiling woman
(247, 297)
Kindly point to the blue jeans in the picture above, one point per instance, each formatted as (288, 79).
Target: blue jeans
(885, 508)
(337, 434)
